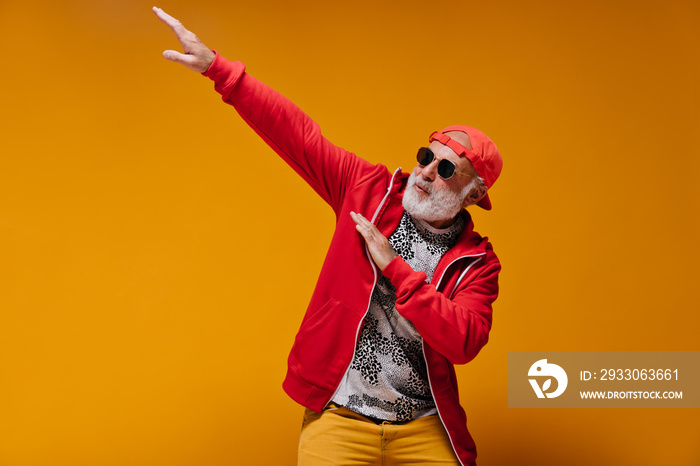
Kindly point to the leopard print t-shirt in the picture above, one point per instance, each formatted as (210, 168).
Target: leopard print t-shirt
(387, 378)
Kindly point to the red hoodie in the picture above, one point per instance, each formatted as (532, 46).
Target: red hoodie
(452, 314)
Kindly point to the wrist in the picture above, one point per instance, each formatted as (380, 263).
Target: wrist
(208, 60)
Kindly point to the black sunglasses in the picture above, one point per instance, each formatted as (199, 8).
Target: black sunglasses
(445, 168)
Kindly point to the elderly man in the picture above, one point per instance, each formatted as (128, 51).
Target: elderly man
(396, 305)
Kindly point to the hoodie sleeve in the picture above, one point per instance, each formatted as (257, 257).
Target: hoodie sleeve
(330, 170)
(458, 326)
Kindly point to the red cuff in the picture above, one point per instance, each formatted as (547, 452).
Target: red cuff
(224, 73)
(402, 276)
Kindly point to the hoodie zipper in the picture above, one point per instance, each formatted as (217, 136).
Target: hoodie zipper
(427, 366)
(357, 331)
(374, 270)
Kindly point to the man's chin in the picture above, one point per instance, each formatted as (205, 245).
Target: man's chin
(427, 210)
(421, 210)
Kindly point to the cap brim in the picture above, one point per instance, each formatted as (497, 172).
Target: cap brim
(485, 202)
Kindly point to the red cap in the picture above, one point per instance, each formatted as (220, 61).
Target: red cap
(484, 155)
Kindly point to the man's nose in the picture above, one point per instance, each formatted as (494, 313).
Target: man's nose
(430, 171)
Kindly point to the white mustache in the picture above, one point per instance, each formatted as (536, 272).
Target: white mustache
(426, 185)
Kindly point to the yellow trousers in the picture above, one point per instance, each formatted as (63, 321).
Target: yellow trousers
(340, 437)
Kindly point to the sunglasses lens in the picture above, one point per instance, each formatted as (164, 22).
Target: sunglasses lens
(446, 169)
(425, 156)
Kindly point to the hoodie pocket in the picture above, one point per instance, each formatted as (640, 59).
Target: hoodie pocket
(325, 344)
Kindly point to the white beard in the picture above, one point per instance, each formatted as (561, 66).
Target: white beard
(435, 206)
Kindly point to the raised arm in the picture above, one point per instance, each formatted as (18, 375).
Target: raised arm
(197, 56)
(330, 170)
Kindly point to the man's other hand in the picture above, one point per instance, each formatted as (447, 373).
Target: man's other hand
(197, 56)
(379, 247)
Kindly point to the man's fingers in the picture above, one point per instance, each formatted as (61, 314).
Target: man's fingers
(197, 56)
(359, 219)
(189, 61)
(363, 231)
(378, 246)
(166, 18)
(360, 224)
(173, 23)
(364, 226)
(172, 55)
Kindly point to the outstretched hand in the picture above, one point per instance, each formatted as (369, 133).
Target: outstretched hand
(197, 56)
(379, 247)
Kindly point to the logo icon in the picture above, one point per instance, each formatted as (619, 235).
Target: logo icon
(543, 369)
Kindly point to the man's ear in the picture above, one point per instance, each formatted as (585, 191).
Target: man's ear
(475, 195)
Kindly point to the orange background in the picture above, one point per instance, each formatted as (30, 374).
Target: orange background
(157, 257)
